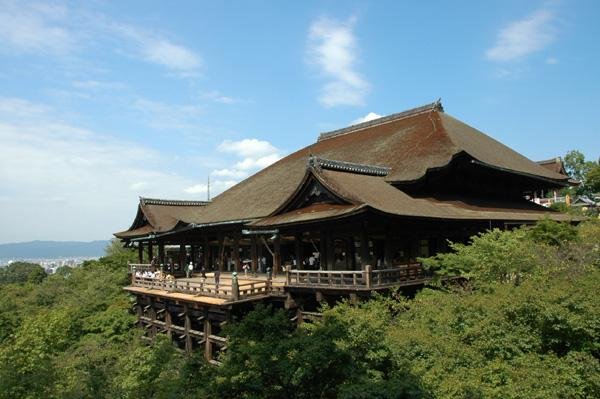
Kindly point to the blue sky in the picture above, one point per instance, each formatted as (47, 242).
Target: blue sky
(102, 102)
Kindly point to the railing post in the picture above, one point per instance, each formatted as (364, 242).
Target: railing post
(368, 276)
(235, 288)
(288, 277)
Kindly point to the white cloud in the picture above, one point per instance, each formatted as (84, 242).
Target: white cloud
(255, 154)
(524, 37)
(332, 47)
(92, 179)
(44, 28)
(159, 50)
(218, 97)
(216, 187)
(249, 148)
(161, 115)
(35, 28)
(551, 61)
(368, 117)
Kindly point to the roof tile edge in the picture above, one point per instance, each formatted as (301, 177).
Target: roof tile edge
(435, 106)
(167, 202)
(344, 166)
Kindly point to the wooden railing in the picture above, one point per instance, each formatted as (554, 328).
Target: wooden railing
(139, 267)
(225, 290)
(359, 279)
(234, 290)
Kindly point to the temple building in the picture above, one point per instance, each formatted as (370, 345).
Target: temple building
(351, 212)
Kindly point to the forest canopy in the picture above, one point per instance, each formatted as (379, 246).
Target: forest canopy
(523, 322)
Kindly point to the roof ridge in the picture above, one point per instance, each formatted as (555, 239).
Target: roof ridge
(344, 166)
(552, 160)
(435, 106)
(168, 202)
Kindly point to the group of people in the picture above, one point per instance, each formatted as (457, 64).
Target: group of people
(157, 274)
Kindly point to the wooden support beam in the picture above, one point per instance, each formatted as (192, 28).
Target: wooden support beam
(161, 253)
(388, 256)
(208, 353)
(141, 252)
(236, 252)
(323, 250)
(365, 257)
(254, 253)
(206, 253)
(276, 255)
(186, 329)
(221, 252)
(182, 258)
(330, 251)
(168, 324)
(297, 242)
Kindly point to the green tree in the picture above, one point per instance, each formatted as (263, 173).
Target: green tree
(587, 172)
(19, 272)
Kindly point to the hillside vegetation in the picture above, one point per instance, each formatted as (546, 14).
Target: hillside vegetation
(524, 323)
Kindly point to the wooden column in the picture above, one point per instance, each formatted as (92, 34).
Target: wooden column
(323, 249)
(206, 253)
(276, 255)
(182, 256)
(254, 253)
(207, 333)
(221, 255)
(141, 252)
(161, 253)
(388, 250)
(236, 252)
(193, 254)
(152, 312)
(330, 251)
(186, 329)
(365, 257)
(150, 254)
(297, 242)
(168, 322)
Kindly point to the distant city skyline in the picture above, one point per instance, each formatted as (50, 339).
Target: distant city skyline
(102, 102)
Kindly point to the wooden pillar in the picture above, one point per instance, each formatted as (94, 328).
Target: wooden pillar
(150, 254)
(254, 253)
(206, 253)
(323, 249)
(161, 253)
(182, 256)
(297, 242)
(236, 252)
(207, 333)
(141, 252)
(277, 255)
(139, 311)
(221, 253)
(168, 322)
(193, 254)
(330, 251)
(186, 330)
(365, 257)
(388, 250)
(152, 312)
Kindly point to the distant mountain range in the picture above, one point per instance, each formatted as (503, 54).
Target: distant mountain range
(52, 249)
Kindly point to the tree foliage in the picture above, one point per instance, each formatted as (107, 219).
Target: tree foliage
(527, 325)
